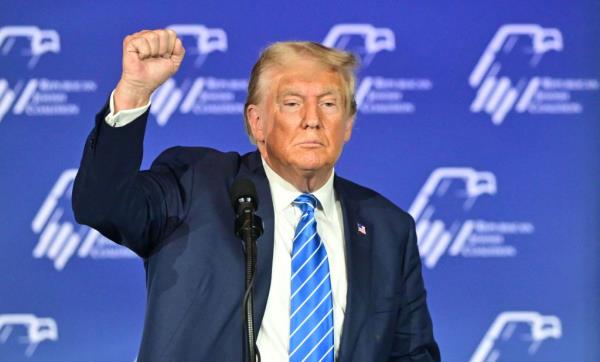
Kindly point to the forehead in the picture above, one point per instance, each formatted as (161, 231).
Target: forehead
(303, 76)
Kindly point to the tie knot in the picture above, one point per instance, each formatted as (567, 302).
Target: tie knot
(306, 202)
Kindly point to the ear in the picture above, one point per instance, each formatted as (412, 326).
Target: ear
(348, 128)
(255, 122)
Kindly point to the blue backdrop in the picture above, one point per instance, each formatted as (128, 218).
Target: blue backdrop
(481, 118)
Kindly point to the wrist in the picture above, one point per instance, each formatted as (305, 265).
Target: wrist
(129, 96)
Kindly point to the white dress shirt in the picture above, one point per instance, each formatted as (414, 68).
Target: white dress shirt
(124, 116)
(273, 336)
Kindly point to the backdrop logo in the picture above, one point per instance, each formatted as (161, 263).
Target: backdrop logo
(504, 84)
(37, 330)
(375, 93)
(444, 221)
(206, 40)
(199, 96)
(531, 326)
(373, 40)
(202, 95)
(42, 97)
(39, 42)
(38, 96)
(60, 237)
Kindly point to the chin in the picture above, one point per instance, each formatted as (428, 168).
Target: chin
(312, 165)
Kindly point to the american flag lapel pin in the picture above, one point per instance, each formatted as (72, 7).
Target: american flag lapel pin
(361, 228)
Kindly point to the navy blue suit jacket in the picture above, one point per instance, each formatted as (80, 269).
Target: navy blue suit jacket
(177, 216)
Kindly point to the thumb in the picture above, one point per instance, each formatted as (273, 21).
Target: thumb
(136, 45)
(178, 52)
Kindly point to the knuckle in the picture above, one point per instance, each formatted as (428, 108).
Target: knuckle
(143, 45)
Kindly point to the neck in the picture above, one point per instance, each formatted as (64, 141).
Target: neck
(306, 181)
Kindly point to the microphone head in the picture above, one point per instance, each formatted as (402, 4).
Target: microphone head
(243, 191)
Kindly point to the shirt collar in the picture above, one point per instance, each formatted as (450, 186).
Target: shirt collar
(284, 193)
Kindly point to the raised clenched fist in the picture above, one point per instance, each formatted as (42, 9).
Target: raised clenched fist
(150, 57)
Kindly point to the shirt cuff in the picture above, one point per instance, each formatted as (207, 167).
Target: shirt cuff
(125, 116)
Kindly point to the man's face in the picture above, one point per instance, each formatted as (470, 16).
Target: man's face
(300, 124)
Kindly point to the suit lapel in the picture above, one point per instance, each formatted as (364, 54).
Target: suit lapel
(264, 244)
(358, 270)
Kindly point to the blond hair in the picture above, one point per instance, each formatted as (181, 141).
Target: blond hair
(282, 53)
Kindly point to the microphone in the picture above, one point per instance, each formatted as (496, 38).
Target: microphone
(245, 203)
(248, 227)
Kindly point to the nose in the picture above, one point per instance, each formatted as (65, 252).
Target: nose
(312, 116)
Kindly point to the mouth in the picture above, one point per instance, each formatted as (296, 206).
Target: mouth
(310, 144)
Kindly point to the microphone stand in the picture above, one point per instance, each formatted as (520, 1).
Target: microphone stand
(249, 228)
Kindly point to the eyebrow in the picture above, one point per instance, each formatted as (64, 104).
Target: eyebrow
(292, 92)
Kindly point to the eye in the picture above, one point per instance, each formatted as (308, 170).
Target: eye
(291, 101)
(290, 105)
(329, 105)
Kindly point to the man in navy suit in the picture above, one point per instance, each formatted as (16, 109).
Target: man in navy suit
(177, 216)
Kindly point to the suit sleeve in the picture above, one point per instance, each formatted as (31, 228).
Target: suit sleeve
(135, 209)
(413, 337)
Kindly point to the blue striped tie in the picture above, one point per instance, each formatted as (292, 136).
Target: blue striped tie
(311, 302)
